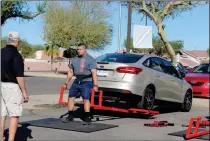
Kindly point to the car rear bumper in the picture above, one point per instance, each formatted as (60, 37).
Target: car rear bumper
(201, 91)
(121, 87)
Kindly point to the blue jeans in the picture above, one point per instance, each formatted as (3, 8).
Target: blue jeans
(84, 88)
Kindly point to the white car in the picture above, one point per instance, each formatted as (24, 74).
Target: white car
(142, 80)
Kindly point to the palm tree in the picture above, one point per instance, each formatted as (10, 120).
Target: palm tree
(51, 50)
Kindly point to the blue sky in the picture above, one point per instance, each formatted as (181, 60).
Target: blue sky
(192, 27)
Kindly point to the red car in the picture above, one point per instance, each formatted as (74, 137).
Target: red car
(192, 69)
(199, 80)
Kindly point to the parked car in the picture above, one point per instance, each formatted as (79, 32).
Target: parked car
(142, 80)
(192, 69)
(199, 79)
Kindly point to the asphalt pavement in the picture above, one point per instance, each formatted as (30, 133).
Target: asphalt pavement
(130, 128)
(37, 85)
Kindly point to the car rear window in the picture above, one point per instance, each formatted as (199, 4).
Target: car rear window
(119, 58)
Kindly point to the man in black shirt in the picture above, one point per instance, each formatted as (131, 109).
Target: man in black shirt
(13, 90)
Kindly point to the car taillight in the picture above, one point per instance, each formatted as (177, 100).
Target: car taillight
(131, 70)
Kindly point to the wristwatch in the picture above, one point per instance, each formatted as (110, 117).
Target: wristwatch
(95, 85)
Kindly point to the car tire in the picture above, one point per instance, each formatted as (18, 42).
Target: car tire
(187, 103)
(148, 99)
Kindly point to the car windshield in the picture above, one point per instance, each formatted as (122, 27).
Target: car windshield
(204, 68)
(119, 58)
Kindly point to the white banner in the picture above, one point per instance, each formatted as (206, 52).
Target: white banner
(142, 36)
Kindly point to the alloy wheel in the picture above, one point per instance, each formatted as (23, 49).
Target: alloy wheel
(149, 99)
(188, 101)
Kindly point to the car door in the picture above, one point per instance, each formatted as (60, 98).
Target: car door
(175, 82)
(158, 76)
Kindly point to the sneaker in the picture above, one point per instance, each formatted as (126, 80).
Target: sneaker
(86, 121)
(68, 119)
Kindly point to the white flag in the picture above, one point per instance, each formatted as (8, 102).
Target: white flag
(142, 36)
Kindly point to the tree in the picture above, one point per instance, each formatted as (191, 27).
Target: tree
(24, 47)
(131, 43)
(159, 11)
(51, 50)
(35, 48)
(158, 46)
(3, 42)
(18, 9)
(75, 23)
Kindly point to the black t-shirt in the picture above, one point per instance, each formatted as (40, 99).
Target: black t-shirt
(12, 64)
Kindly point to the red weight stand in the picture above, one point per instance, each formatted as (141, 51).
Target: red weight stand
(159, 124)
(100, 106)
(197, 122)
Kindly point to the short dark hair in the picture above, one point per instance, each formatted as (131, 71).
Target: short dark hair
(82, 44)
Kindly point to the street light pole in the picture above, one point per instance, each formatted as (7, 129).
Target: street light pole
(129, 25)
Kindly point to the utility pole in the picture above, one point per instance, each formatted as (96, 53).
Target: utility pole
(119, 29)
(129, 25)
(146, 20)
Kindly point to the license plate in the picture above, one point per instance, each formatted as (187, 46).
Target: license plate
(102, 73)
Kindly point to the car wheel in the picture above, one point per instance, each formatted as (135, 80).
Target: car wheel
(187, 103)
(148, 99)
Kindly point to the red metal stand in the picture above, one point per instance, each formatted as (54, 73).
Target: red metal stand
(60, 101)
(159, 124)
(100, 106)
(197, 121)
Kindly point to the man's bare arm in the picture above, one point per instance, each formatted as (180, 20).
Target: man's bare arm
(69, 75)
(21, 83)
(95, 77)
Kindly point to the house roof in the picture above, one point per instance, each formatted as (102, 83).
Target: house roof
(197, 53)
(187, 62)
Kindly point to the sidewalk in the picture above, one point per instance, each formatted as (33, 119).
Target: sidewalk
(200, 102)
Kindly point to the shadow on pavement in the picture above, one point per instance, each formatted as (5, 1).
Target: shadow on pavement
(109, 115)
(164, 109)
(22, 133)
(200, 97)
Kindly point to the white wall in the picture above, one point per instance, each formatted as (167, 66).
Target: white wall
(34, 60)
(38, 54)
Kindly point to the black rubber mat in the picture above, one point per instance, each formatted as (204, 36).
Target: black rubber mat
(182, 133)
(71, 126)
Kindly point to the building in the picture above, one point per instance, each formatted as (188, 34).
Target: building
(42, 62)
(192, 58)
